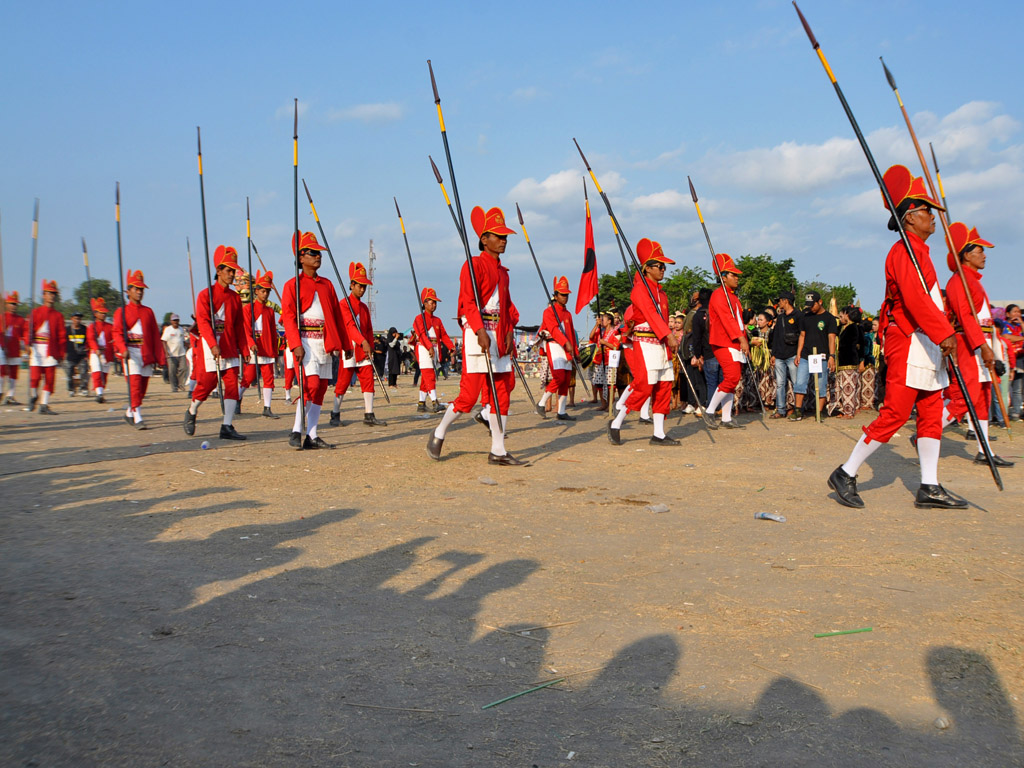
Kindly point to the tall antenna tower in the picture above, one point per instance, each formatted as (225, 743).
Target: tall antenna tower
(371, 291)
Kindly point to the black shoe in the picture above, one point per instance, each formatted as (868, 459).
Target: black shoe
(666, 440)
(311, 445)
(434, 447)
(913, 440)
(508, 460)
(613, 435)
(32, 402)
(709, 419)
(970, 435)
(937, 497)
(44, 408)
(845, 488)
(140, 425)
(541, 412)
(128, 420)
(733, 424)
(646, 421)
(372, 421)
(269, 414)
(100, 399)
(422, 407)
(479, 419)
(228, 432)
(438, 408)
(999, 461)
(11, 401)
(335, 419)
(190, 423)
(565, 417)
(295, 440)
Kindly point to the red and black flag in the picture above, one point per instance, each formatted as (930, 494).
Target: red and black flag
(588, 280)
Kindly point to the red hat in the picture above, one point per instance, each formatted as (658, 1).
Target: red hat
(307, 242)
(428, 293)
(264, 279)
(651, 250)
(903, 185)
(50, 285)
(493, 221)
(357, 273)
(724, 263)
(225, 256)
(12, 297)
(962, 238)
(135, 279)
(562, 285)
(98, 304)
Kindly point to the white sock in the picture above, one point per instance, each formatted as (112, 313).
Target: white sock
(33, 392)
(337, 403)
(859, 455)
(46, 397)
(241, 393)
(544, 399)
(497, 435)
(268, 394)
(561, 403)
(423, 396)
(138, 415)
(297, 426)
(621, 402)
(486, 411)
(128, 411)
(619, 418)
(928, 453)
(947, 418)
(659, 425)
(229, 411)
(99, 391)
(446, 421)
(312, 420)
(727, 402)
(368, 402)
(433, 395)
(645, 409)
(984, 432)
(716, 400)
(193, 407)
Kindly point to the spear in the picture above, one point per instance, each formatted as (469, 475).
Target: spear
(899, 225)
(944, 221)
(274, 285)
(3, 314)
(252, 282)
(120, 275)
(461, 224)
(551, 302)
(209, 276)
(88, 280)
(35, 249)
(416, 287)
(298, 292)
(938, 178)
(732, 310)
(344, 290)
(191, 282)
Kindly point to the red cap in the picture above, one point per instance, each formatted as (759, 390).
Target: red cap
(428, 293)
(135, 279)
(98, 304)
(12, 297)
(225, 256)
(264, 279)
(493, 221)
(724, 263)
(50, 285)
(903, 185)
(307, 242)
(357, 273)
(963, 237)
(651, 250)
(562, 285)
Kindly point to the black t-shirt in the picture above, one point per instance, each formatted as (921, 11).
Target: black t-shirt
(816, 330)
(76, 347)
(785, 334)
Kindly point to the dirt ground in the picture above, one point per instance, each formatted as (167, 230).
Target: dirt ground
(253, 605)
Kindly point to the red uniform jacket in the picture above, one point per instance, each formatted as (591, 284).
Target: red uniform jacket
(490, 274)
(152, 348)
(265, 341)
(420, 332)
(644, 311)
(232, 338)
(58, 335)
(357, 332)
(906, 303)
(723, 327)
(549, 323)
(335, 335)
(960, 310)
(14, 334)
(92, 334)
(595, 337)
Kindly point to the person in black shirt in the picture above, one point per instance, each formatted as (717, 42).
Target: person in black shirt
(77, 355)
(818, 331)
(849, 361)
(701, 355)
(784, 338)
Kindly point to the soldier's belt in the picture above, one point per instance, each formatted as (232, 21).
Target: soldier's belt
(491, 318)
(40, 339)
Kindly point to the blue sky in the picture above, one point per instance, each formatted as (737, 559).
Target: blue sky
(729, 93)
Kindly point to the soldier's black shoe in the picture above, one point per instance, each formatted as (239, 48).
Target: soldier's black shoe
(565, 417)
(311, 445)
(709, 419)
(541, 412)
(666, 440)
(732, 424)
(228, 432)
(140, 425)
(421, 407)
(438, 408)
(100, 399)
(128, 420)
(646, 421)
(11, 401)
(479, 419)
(913, 440)
(999, 461)
(269, 414)
(335, 419)
(845, 488)
(508, 460)
(190, 423)
(937, 497)
(613, 435)
(434, 447)
(372, 421)
(295, 440)
(32, 402)
(44, 408)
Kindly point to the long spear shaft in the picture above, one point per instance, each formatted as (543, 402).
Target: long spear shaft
(298, 258)
(899, 225)
(416, 287)
(209, 276)
(344, 290)
(124, 304)
(938, 178)
(88, 279)
(252, 281)
(191, 281)
(35, 249)
(944, 221)
(3, 314)
(461, 223)
(274, 285)
(551, 303)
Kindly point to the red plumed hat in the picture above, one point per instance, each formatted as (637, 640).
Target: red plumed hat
(307, 242)
(50, 285)
(264, 279)
(428, 293)
(225, 256)
(903, 185)
(492, 221)
(963, 237)
(98, 304)
(724, 263)
(562, 285)
(357, 273)
(135, 279)
(651, 250)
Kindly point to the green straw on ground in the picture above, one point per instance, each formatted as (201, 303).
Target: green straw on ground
(844, 632)
(522, 693)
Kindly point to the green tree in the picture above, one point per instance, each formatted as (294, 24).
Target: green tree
(682, 283)
(613, 291)
(845, 295)
(80, 298)
(763, 278)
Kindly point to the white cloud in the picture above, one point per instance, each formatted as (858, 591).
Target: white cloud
(369, 113)
(344, 229)
(667, 200)
(665, 158)
(560, 187)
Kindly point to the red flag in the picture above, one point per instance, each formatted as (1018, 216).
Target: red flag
(588, 280)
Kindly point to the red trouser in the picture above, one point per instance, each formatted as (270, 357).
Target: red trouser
(428, 381)
(10, 371)
(99, 379)
(207, 382)
(980, 392)
(315, 389)
(901, 399)
(559, 382)
(267, 369)
(345, 378)
(474, 385)
(660, 394)
(730, 369)
(289, 378)
(138, 385)
(49, 373)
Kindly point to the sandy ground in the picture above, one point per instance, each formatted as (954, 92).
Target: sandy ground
(253, 605)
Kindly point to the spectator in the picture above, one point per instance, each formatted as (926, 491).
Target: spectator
(1013, 335)
(760, 359)
(818, 330)
(393, 362)
(783, 340)
(867, 376)
(702, 357)
(173, 339)
(76, 355)
(849, 361)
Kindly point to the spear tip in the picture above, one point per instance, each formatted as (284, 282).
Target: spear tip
(888, 74)
(807, 27)
(521, 222)
(117, 192)
(585, 188)
(580, 150)
(693, 192)
(199, 140)
(397, 210)
(433, 82)
(306, 187)
(437, 173)
(934, 161)
(296, 134)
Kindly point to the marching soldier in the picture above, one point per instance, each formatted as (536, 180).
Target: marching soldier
(47, 340)
(917, 335)
(359, 354)
(142, 348)
(728, 338)
(560, 349)
(428, 348)
(100, 339)
(487, 331)
(13, 338)
(261, 334)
